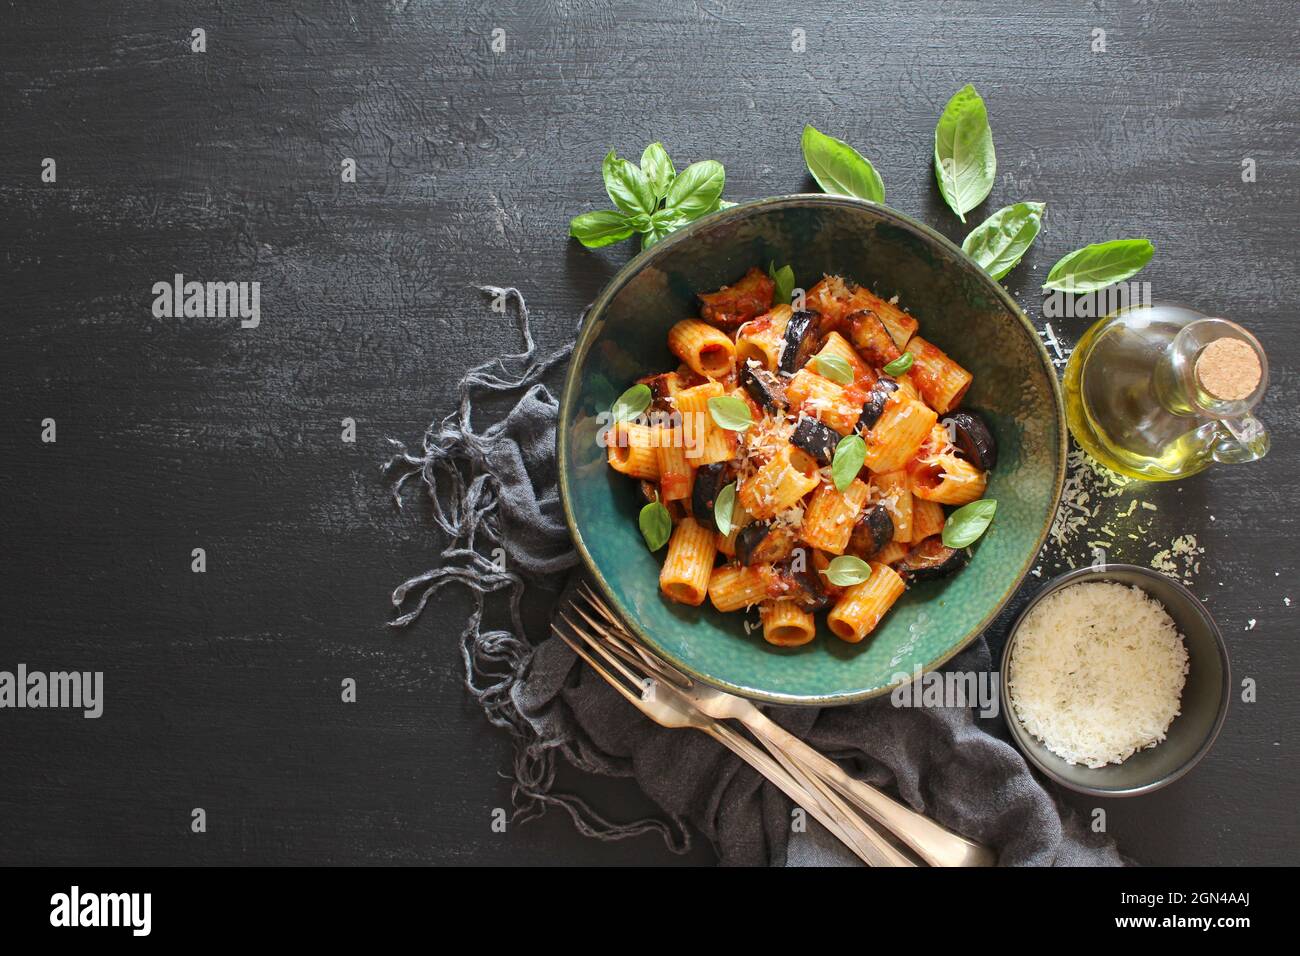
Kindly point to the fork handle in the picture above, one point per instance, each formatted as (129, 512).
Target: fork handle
(935, 844)
(851, 831)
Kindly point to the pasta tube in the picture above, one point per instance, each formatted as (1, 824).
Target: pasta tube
(862, 606)
(631, 450)
(830, 516)
(785, 624)
(704, 348)
(684, 577)
(940, 380)
(898, 434)
(734, 586)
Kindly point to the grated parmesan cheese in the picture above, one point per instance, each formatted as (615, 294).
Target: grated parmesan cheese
(1097, 672)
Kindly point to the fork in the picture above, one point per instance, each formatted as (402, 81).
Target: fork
(932, 842)
(669, 709)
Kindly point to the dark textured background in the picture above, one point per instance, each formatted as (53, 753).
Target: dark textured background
(223, 688)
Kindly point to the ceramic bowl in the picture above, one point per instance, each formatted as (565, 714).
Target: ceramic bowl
(960, 309)
(1204, 702)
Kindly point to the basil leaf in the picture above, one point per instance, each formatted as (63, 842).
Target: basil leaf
(658, 226)
(1099, 265)
(723, 507)
(839, 168)
(964, 161)
(631, 403)
(730, 413)
(627, 186)
(656, 525)
(900, 365)
(850, 453)
(967, 523)
(1001, 240)
(658, 169)
(784, 279)
(846, 571)
(696, 189)
(835, 368)
(596, 229)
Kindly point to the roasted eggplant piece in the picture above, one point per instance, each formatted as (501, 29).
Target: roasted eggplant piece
(676, 510)
(763, 387)
(871, 338)
(762, 542)
(973, 439)
(931, 559)
(874, 406)
(816, 439)
(806, 586)
(802, 334)
(661, 390)
(874, 530)
(734, 305)
(709, 480)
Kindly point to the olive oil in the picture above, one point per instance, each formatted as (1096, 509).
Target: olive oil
(1159, 392)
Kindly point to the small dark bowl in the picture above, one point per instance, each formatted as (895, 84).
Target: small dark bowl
(1204, 703)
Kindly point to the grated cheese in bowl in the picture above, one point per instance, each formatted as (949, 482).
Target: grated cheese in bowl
(1097, 672)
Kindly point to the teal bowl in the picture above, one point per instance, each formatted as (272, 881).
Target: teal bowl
(960, 309)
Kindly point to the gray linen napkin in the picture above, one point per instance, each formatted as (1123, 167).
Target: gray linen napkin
(498, 489)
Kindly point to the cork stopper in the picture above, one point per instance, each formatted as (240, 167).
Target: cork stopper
(1228, 369)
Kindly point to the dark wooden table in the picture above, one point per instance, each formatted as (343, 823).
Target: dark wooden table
(223, 688)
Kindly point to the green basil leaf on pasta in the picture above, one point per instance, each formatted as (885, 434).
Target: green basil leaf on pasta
(656, 525)
(965, 163)
(730, 413)
(846, 571)
(835, 368)
(784, 280)
(723, 506)
(1099, 265)
(850, 454)
(965, 525)
(627, 186)
(839, 168)
(631, 403)
(1000, 241)
(900, 365)
(696, 190)
(596, 229)
(658, 169)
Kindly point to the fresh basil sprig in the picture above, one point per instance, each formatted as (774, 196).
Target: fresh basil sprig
(1000, 241)
(730, 413)
(839, 168)
(850, 453)
(1099, 265)
(835, 368)
(656, 525)
(631, 403)
(967, 523)
(846, 571)
(652, 199)
(784, 280)
(723, 507)
(900, 365)
(964, 161)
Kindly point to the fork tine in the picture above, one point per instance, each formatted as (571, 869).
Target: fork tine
(596, 644)
(613, 681)
(622, 637)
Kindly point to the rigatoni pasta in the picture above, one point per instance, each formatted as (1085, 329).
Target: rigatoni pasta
(686, 571)
(796, 474)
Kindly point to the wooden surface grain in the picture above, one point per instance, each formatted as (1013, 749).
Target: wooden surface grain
(222, 689)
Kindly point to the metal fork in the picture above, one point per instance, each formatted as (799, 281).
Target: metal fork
(934, 843)
(662, 704)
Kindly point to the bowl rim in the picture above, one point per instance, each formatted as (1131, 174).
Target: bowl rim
(1079, 575)
(568, 398)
